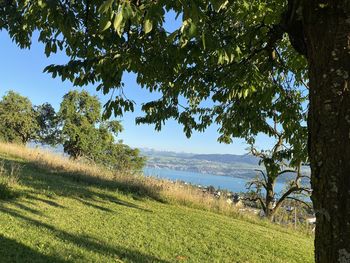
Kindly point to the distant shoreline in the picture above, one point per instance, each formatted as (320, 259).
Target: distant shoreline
(238, 173)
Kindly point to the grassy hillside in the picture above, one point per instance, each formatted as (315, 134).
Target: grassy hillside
(63, 212)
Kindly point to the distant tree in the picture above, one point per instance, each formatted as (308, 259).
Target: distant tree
(281, 160)
(85, 135)
(121, 157)
(79, 114)
(47, 119)
(17, 119)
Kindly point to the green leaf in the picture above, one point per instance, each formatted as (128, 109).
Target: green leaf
(203, 40)
(246, 5)
(47, 49)
(117, 23)
(147, 25)
(173, 35)
(192, 30)
(106, 26)
(105, 6)
(105, 23)
(219, 4)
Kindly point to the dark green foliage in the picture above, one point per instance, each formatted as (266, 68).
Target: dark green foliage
(48, 124)
(85, 135)
(5, 191)
(121, 157)
(79, 113)
(21, 122)
(17, 119)
(78, 126)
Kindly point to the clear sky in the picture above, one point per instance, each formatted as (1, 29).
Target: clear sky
(22, 71)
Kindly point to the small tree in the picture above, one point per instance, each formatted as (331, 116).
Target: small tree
(120, 157)
(47, 119)
(18, 119)
(79, 113)
(85, 135)
(282, 159)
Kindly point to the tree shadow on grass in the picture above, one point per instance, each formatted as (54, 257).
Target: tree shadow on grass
(12, 252)
(28, 209)
(49, 184)
(67, 184)
(6, 192)
(48, 202)
(118, 252)
(87, 203)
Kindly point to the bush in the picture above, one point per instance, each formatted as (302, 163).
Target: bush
(5, 191)
(9, 177)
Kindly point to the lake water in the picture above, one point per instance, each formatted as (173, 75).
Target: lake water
(233, 184)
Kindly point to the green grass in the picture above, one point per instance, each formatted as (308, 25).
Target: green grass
(60, 218)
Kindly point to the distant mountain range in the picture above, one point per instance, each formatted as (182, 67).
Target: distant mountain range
(222, 158)
(217, 164)
(242, 166)
(227, 158)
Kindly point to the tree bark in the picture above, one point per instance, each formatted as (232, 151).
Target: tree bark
(269, 209)
(326, 26)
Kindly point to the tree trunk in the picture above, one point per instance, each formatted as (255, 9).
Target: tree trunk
(326, 26)
(269, 201)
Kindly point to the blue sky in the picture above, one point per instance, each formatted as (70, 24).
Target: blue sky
(22, 71)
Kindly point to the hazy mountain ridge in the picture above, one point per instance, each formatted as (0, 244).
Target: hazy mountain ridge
(242, 166)
(228, 158)
(222, 158)
(217, 164)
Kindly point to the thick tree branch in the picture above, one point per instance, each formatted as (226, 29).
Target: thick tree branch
(292, 24)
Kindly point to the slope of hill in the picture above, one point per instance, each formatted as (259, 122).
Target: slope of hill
(61, 214)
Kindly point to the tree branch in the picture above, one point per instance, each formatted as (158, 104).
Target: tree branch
(257, 198)
(290, 191)
(301, 201)
(264, 176)
(286, 171)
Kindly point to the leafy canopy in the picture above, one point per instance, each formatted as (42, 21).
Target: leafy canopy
(17, 119)
(84, 134)
(47, 120)
(229, 63)
(79, 113)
